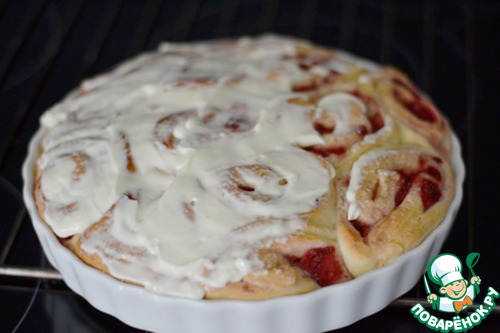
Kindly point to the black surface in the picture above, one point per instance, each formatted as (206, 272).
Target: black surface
(450, 49)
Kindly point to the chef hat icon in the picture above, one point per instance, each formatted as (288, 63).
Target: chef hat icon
(445, 269)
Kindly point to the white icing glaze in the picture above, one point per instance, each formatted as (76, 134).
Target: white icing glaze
(190, 119)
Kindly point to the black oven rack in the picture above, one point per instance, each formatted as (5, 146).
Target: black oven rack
(48, 47)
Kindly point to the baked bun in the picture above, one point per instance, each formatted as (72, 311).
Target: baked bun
(243, 169)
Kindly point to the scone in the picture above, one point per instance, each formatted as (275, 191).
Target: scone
(246, 169)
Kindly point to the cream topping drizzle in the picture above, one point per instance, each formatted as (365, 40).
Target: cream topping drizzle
(217, 172)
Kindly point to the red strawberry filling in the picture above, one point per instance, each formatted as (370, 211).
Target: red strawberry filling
(322, 265)
(326, 151)
(413, 102)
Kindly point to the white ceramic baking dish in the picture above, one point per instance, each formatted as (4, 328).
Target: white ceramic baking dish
(325, 309)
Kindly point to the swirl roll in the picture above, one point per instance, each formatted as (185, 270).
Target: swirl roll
(418, 115)
(391, 200)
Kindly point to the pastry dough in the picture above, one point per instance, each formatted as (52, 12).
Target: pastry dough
(391, 198)
(244, 169)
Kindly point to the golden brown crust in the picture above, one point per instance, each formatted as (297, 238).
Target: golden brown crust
(37, 193)
(405, 225)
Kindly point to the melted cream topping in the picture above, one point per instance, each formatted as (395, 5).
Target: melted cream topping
(192, 152)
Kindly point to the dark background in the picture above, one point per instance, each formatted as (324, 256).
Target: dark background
(450, 49)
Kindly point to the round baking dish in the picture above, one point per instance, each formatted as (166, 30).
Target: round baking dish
(325, 309)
